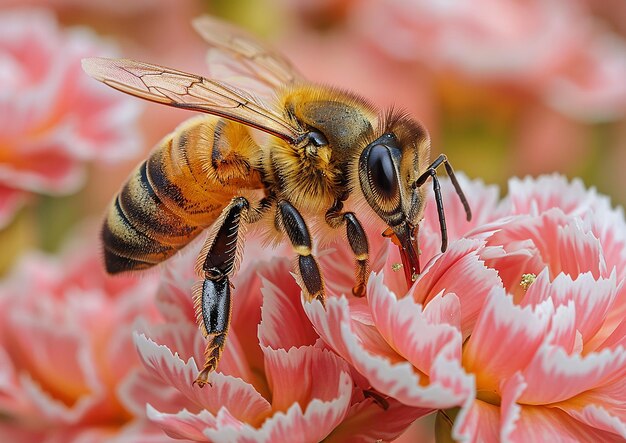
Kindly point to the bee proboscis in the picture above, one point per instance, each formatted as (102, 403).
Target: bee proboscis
(327, 152)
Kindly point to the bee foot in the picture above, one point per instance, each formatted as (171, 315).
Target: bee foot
(377, 398)
(358, 291)
(203, 377)
(320, 296)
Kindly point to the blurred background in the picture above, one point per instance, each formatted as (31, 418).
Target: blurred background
(506, 88)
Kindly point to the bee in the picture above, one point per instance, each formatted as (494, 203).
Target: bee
(327, 153)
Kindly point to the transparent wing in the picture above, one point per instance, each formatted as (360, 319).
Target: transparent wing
(237, 54)
(188, 91)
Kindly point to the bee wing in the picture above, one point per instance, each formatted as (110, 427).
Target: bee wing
(188, 91)
(241, 55)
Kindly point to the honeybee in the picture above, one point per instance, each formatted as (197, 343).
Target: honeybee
(326, 151)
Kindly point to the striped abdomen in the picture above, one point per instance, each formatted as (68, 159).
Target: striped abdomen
(171, 197)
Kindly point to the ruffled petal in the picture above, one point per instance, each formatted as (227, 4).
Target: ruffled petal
(592, 298)
(510, 410)
(479, 421)
(369, 421)
(393, 377)
(404, 326)
(300, 375)
(282, 311)
(505, 339)
(599, 418)
(183, 424)
(315, 423)
(536, 195)
(461, 271)
(538, 423)
(553, 375)
(242, 400)
(140, 388)
(57, 368)
(554, 240)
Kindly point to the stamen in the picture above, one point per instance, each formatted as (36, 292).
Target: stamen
(395, 267)
(527, 280)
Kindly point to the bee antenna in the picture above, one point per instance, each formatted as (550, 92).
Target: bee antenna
(431, 171)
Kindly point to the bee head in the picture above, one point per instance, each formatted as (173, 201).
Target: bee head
(388, 168)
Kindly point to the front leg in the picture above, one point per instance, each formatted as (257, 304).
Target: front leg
(289, 219)
(212, 298)
(358, 243)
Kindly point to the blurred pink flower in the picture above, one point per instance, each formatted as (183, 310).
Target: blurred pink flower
(66, 349)
(53, 118)
(521, 323)
(553, 49)
(276, 381)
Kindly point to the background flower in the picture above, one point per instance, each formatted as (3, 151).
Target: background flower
(53, 118)
(66, 348)
(521, 361)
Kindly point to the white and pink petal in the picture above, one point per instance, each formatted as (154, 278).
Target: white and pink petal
(369, 421)
(461, 271)
(282, 311)
(390, 376)
(597, 417)
(301, 375)
(183, 424)
(553, 375)
(478, 421)
(405, 327)
(505, 339)
(540, 423)
(242, 400)
(314, 423)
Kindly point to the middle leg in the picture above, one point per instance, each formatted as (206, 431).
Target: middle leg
(289, 219)
(357, 239)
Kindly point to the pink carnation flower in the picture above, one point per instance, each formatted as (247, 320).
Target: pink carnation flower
(517, 332)
(66, 349)
(552, 48)
(276, 380)
(53, 117)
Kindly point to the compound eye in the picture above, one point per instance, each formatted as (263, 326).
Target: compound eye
(382, 172)
(318, 139)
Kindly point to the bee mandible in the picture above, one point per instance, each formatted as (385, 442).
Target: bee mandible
(328, 155)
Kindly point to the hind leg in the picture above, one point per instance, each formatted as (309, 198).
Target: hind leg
(216, 264)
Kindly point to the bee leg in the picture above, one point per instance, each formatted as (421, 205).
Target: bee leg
(289, 219)
(216, 312)
(378, 398)
(358, 243)
(212, 299)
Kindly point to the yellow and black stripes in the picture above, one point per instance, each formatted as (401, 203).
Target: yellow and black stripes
(172, 196)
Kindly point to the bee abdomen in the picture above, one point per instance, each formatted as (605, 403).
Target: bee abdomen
(178, 173)
(126, 247)
(140, 230)
(149, 215)
(169, 199)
